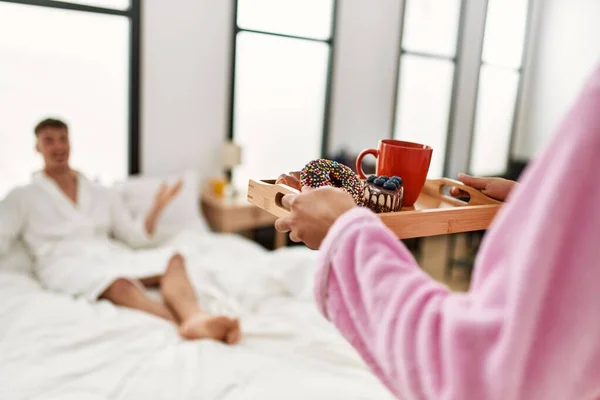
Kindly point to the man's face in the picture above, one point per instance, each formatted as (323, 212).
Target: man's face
(53, 145)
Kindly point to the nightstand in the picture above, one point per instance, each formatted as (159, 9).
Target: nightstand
(237, 215)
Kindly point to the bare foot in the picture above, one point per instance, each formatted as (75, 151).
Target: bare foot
(217, 327)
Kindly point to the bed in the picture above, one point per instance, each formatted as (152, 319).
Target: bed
(57, 347)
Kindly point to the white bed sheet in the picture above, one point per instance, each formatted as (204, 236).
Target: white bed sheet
(56, 347)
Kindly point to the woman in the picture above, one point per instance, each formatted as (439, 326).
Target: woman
(529, 327)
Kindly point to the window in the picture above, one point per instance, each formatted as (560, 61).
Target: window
(282, 70)
(459, 80)
(72, 64)
(427, 69)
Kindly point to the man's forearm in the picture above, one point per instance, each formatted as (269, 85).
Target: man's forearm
(151, 218)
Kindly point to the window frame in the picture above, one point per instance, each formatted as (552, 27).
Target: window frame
(461, 89)
(133, 13)
(236, 29)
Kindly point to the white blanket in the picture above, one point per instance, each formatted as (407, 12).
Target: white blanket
(54, 347)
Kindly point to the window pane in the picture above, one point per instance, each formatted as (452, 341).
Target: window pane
(505, 32)
(424, 105)
(431, 26)
(494, 118)
(307, 18)
(70, 65)
(279, 104)
(113, 4)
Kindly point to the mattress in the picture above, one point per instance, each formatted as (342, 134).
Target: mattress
(56, 347)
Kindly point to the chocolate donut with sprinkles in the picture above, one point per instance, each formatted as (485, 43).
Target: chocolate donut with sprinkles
(324, 172)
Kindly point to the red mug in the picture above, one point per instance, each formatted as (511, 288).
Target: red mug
(408, 160)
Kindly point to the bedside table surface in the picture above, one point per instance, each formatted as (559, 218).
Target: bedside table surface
(239, 201)
(234, 214)
(237, 215)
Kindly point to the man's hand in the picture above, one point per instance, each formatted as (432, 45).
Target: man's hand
(496, 188)
(164, 195)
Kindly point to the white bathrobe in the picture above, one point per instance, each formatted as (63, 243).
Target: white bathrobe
(74, 244)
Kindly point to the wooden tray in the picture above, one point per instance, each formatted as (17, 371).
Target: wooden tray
(434, 213)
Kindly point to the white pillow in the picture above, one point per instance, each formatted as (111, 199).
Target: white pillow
(18, 259)
(182, 213)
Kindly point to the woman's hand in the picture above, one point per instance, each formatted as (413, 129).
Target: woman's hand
(497, 188)
(164, 195)
(312, 213)
(292, 180)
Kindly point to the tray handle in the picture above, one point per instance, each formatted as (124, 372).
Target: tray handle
(267, 195)
(435, 186)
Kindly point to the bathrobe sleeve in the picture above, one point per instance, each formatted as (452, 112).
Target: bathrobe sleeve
(12, 218)
(125, 226)
(528, 328)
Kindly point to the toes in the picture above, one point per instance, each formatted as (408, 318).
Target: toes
(184, 332)
(219, 328)
(231, 337)
(234, 334)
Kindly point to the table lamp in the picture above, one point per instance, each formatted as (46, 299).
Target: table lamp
(231, 156)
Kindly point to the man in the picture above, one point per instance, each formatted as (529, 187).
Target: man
(69, 222)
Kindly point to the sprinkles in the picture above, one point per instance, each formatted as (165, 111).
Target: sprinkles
(324, 172)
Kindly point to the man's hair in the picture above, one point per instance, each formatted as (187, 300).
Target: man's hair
(50, 123)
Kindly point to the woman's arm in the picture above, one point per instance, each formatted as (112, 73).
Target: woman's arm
(534, 311)
(412, 331)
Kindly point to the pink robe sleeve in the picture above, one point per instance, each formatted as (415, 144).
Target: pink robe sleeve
(528, 328)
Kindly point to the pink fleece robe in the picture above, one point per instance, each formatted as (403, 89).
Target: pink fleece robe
(529, 327)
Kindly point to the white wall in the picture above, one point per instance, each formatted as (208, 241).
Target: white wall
(185, 89)
(565, 52)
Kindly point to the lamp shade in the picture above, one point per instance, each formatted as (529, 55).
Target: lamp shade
(231, 155)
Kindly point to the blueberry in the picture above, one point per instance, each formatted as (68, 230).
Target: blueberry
(371, 178)
(378, 182)
(385, 178)
(390, 185)
(397, 180)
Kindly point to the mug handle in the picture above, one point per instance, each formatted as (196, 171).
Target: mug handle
(359, 159)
